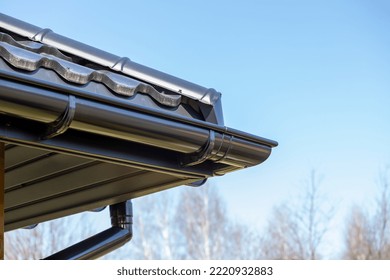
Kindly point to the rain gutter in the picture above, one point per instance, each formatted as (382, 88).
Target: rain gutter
(63, 109)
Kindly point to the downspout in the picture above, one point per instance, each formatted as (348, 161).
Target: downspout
(106, 241)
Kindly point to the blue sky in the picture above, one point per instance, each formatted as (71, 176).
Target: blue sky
(312, 75)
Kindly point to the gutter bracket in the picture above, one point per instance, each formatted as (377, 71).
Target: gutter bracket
(62, 123)
(203, 154)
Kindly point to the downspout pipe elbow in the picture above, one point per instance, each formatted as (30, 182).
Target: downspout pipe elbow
(122, 215)
(106, 241)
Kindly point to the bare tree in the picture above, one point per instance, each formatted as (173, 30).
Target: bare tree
(382, 219)
(281, 240)
(192, 224)
(202, 221)
(207, 231)
(359, 239)
(243, 242)
(154, 231)
(368, 236)
(297, 231)
(45, 239)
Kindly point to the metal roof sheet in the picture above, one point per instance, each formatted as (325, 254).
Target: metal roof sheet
(30, 57)
(120, 64)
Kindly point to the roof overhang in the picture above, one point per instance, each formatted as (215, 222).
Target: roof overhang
(76, 145)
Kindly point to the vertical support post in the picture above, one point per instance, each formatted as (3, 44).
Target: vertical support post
(2, 156)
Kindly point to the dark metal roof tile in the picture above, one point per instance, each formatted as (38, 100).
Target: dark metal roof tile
(33, 46)
(32, 56)
(123, 65)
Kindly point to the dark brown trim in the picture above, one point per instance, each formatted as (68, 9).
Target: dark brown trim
(2, 201)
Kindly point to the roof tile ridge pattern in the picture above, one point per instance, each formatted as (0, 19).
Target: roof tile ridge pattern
(33, 46)
(31, 56)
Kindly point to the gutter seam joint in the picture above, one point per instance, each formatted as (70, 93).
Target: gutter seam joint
(63, 122)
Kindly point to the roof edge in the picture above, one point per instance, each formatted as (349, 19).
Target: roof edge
(114, 62)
